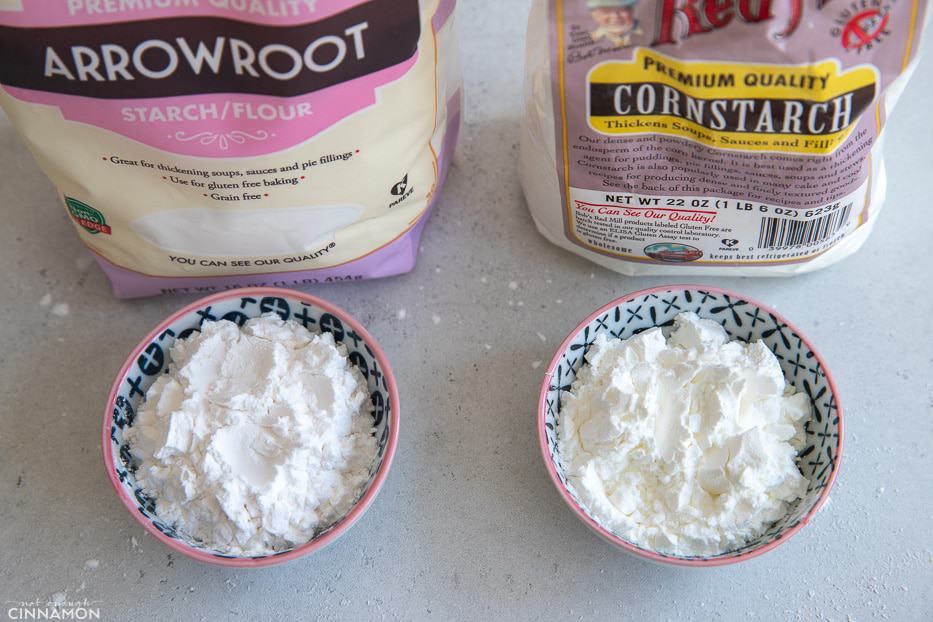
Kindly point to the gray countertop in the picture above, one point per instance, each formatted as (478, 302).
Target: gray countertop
(468, 526)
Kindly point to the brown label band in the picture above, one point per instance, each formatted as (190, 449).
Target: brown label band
(193, 55)
(792, 116)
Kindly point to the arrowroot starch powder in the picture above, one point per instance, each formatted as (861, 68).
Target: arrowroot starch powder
(257, 437)
(685, 446)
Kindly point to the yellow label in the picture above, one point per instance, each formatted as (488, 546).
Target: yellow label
(808, 109)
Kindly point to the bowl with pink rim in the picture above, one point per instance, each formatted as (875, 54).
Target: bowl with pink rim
(151, 357)
(744, 319)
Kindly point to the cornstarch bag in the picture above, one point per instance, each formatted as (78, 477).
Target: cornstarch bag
(204, 144)
(737, 137)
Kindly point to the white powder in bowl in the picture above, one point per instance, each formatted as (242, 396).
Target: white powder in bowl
(685, 446)
(257, 438)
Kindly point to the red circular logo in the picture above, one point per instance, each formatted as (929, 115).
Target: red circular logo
(864, 28)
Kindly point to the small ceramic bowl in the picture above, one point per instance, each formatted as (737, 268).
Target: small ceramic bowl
(744, 319)
(150, 358)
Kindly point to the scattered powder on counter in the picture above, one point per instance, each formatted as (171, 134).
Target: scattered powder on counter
(91, 564)
(45, 300)
(536, 364)
(541, 337)
(402, 313)
(513, 285)
(84, 261)
(257, 438)
(60, 309)
(686, 446)
(436, 319)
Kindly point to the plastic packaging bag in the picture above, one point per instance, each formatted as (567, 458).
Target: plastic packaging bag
(686, 136)
(212, 143)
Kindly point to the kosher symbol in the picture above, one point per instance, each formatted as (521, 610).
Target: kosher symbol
(400, 188)
(729, 243)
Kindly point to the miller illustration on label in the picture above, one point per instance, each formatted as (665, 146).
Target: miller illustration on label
(738, 137)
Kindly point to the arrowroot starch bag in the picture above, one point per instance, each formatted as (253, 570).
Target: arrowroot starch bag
(201, 144)
(732, 137)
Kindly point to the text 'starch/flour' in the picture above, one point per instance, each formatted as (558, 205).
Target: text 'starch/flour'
(257, 438)
(702, 136)
(203, 145)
